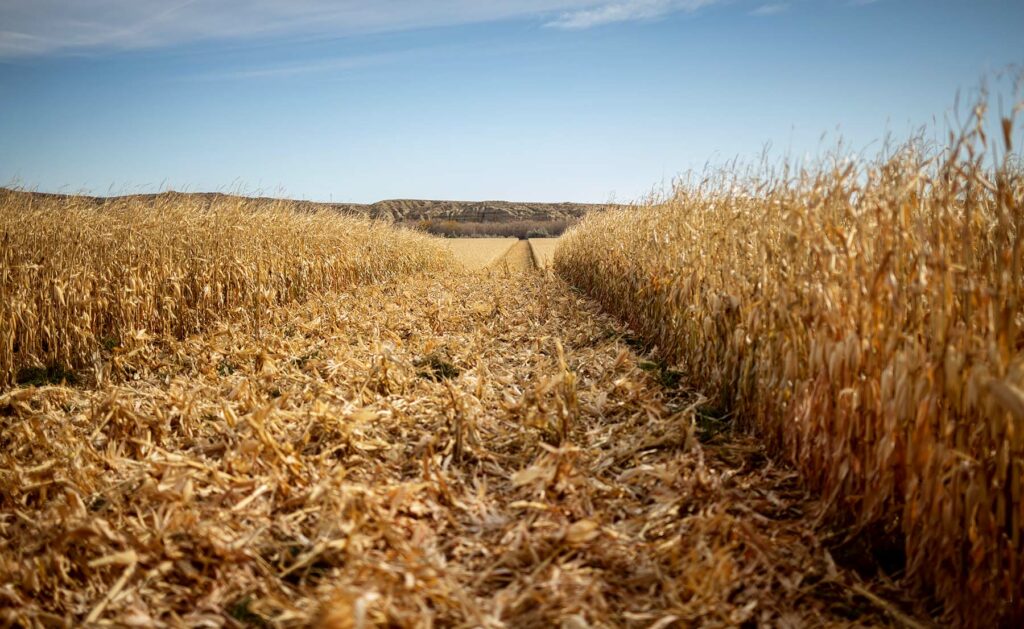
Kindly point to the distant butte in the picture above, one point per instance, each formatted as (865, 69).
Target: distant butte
(401, 210)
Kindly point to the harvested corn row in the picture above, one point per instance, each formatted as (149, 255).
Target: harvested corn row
(479, 253)
(543, 251)
(456, 450)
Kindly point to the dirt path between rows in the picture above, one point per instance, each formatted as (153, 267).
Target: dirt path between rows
(519, 258)
(470, 451)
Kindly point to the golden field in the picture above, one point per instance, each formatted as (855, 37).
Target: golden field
(476, 254)
(543, 251)
(518, 258)
(449, 451)
(78, 279)
(791, 397)
(479, 253)
(869, 321)
(334, 441)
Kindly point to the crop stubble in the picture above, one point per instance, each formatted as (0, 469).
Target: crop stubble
(459, 450)
(479, 253)
(543, 251)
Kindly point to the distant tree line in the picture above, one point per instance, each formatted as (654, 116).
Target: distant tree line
(511, 229)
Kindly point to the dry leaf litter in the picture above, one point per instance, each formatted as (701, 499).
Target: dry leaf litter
(461, 450)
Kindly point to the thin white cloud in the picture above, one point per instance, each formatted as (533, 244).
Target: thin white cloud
(624, 11)
(319, 66)
(41, 27)
(771, 9)
(340, 66)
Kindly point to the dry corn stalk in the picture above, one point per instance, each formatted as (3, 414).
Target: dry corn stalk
(77, 279)
(869, 321)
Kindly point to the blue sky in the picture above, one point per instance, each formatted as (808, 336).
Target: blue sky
(362, 100)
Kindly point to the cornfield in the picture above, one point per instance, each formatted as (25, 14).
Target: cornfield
(869, 321)
(452, 449)
(479, 253)
(77, 279)
(543, 251)
(241, 413)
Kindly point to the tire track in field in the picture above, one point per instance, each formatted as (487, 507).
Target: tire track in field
(518, 258)
(458, 450)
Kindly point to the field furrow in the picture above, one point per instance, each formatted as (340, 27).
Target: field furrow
(543, 251)
(432, 452)
(479, 253)
(518, 258)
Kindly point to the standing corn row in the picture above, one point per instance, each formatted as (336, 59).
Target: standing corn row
(75, 276)
(869, 322)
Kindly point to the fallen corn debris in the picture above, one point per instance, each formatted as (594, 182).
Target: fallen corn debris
(459, 450)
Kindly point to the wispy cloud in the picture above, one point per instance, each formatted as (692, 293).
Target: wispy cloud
(46, 27)
(337, 65)
(40, 27)
(771, 9)
(624, 11)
